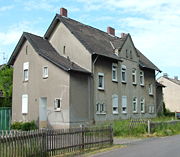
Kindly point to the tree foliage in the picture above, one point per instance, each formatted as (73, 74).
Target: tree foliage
(6, 80)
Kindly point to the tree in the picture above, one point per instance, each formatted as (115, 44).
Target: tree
(6, 79)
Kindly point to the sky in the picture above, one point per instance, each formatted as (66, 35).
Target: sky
(154, 25)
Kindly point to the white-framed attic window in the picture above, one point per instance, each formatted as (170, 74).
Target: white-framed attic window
(26, 71)
(45, 72)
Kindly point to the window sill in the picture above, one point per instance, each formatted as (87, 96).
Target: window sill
(134, 84)
(124, 82)
(45, 77)
(58, 110)
(135, 112)
(102, 89)
(101, 113)
(142, 85)
(115, 113)
(116, 81)
(25, 81)
(151, 94)
(142, 112)
(124, 112)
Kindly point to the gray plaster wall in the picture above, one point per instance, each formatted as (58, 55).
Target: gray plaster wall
(104, 65)
(81, 111)
(62, 37)
(55, 86)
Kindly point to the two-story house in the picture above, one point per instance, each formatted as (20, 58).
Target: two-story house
(77, 74)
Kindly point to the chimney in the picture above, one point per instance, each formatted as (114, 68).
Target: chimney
(111, 31)
(176, 77)
(123, 35)
(165, 75)
(63, 12)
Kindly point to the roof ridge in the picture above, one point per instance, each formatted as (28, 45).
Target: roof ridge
(89, 26)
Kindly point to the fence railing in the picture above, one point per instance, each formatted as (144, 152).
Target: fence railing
(45, 143)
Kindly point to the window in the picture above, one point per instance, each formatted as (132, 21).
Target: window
(26, 71)
(26, 49)
(135, 105)
(141, 78)
(134, 76)
(57, 104)
(101, 81)
(45, 72)
(150, 89)
(142, 104)
(24, 104)
(100, 108)
(64, 50)
(124, 104)
(114, 72)
(151, 109)
(126, 53)
(115, 104)
(130, 53)
(123, 73)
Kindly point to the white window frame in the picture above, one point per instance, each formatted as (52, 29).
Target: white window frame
(114, 70)
(151, 109)
(134, 104)
(24, 104)
(123, 70)
(45, 75)
(151, 89)
(102, 75)
(141, 73)
(100, 108)
(124, 105)
(134, 76)
(26, 71)
(56, 108)
(115, 104)
(142, 103)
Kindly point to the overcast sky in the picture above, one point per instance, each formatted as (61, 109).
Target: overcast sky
(153, 24)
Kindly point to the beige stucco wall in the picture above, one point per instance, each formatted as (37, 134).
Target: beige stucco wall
(171, 94)
(55, 86)
(61, 37)
(103, 65)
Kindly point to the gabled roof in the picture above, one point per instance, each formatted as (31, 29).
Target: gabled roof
(145, 62)
(95, 40)
(173, 80)
(46, 50)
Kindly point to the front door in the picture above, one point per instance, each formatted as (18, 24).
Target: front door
(43, 112)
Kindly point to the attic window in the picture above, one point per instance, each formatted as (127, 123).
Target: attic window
(126, 53)
(130, 53)
(26, 49)
(64, 50)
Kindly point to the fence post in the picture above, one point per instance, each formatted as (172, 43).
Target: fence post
(111, 134)
(82, 137)
(149, 127)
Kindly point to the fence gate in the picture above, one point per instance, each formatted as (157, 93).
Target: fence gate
(5, 118)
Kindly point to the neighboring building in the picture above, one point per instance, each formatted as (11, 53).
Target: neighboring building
(79, 74)
(171, 92)
(159, 98)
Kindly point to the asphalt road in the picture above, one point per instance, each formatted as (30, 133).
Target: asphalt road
(158, 147)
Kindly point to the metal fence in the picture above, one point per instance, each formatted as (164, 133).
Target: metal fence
(45, 143)
(5, 118)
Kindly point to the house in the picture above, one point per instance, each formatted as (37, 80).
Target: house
(171, 92)
(77, 74)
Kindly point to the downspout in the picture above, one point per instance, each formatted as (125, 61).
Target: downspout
(93, 85)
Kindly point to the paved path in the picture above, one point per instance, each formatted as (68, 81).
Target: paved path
(154, 147)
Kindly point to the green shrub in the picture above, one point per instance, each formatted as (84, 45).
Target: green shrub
(24, 126)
